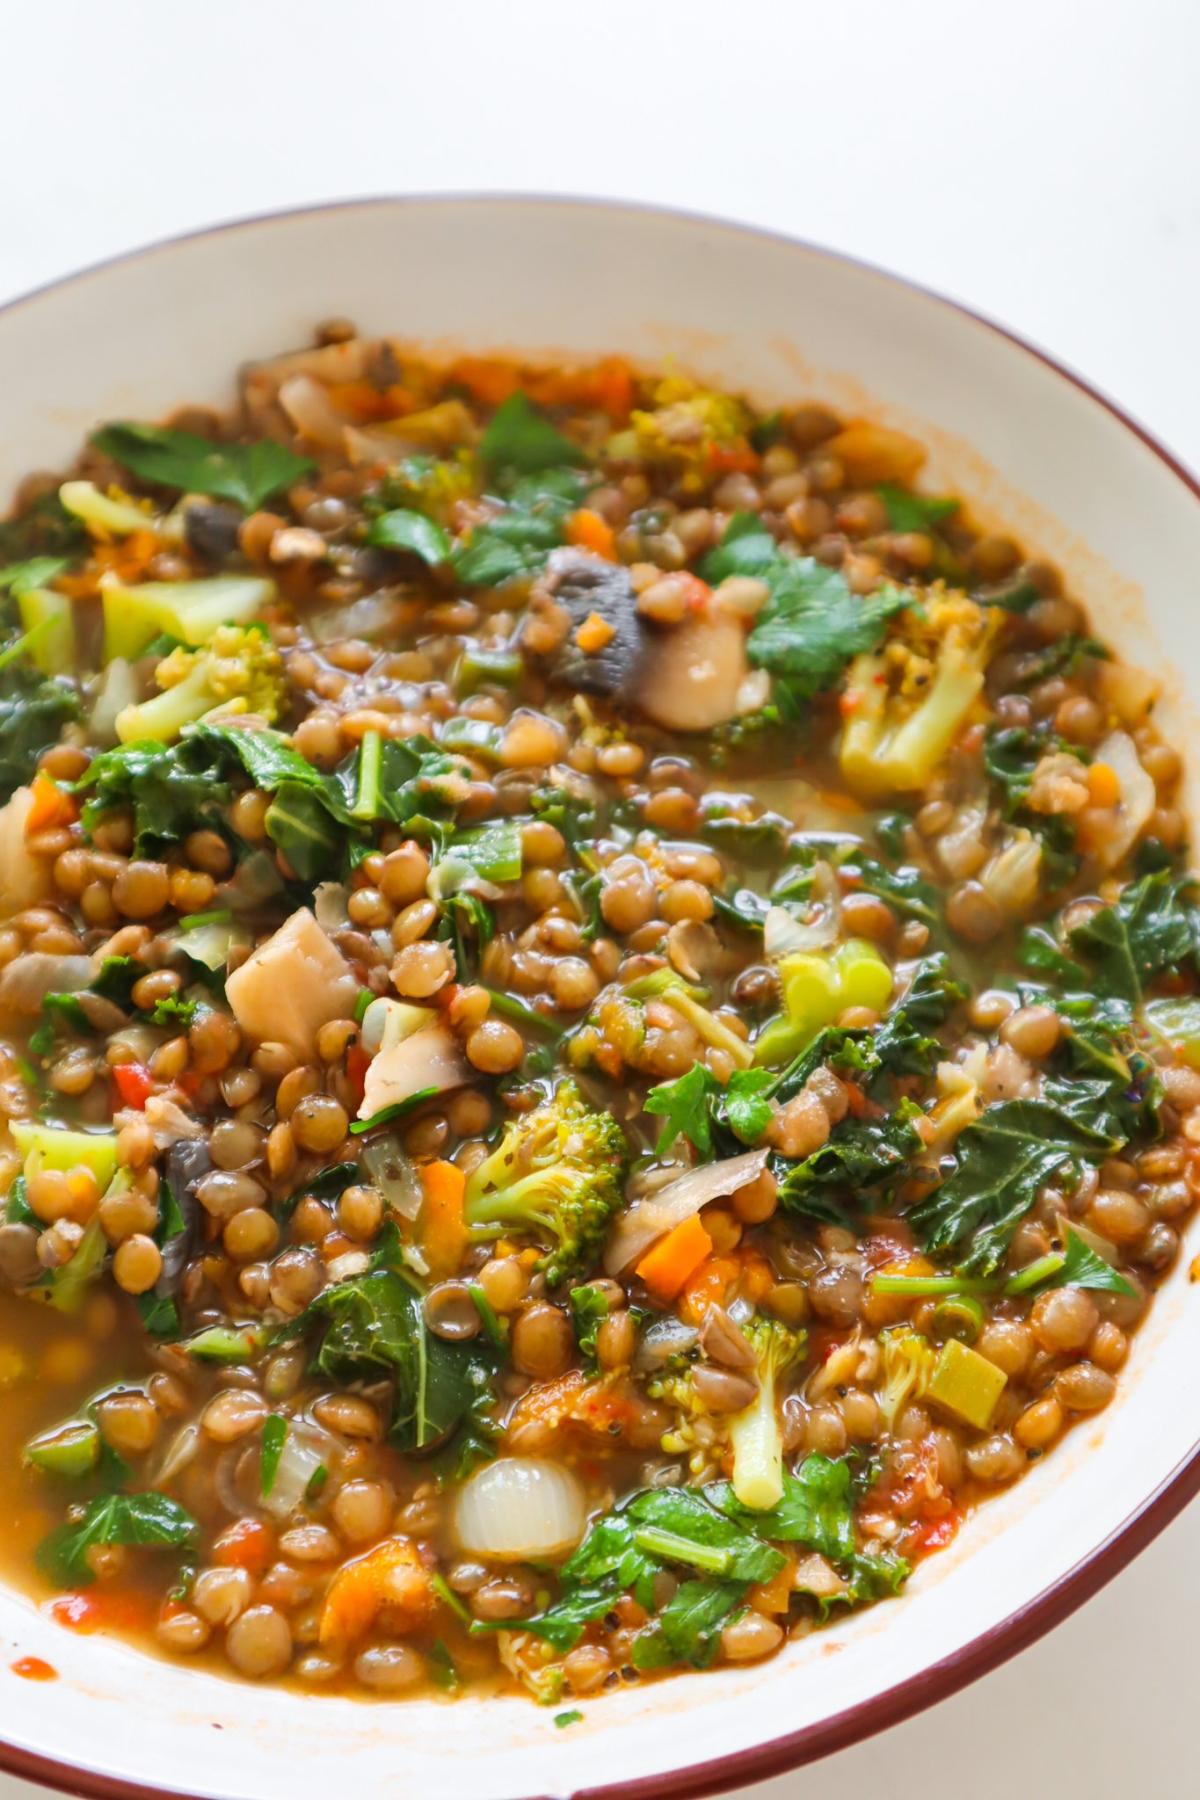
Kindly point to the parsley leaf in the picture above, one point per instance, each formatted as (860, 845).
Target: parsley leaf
(683, 1104)
(411, 532)
(907, 511)
(247, 474)
(521, 438)
(812, 626)
(136, 1519)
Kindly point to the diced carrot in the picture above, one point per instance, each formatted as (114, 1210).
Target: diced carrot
(50, 806)
(736, 458)
(775, 1596)
(589, 530)
(707, 1287)
(594, 633)
(250, 1544)
(1103, 786)
(488, 379)
(849, 702)
(119, 1609)
(442, 1230)
(757, 1276)
(668, 1266)
(359, 400)
(392, 1576)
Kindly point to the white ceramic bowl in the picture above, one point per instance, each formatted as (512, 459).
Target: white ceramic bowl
(1034, 450)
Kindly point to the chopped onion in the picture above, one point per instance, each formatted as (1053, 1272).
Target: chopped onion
(520, 1508)
(308, 406)
(117, 690)
(257, 879)
(329, 905)
(649, 1219)
(661, 1341)
(374, 616)
(306, 1448)
(180, 1452)
(430, 1058)
(394, 1175)
(784, 934)
(1010, 878)
(1104, 1249)
(1138, 797)
(387, 1022)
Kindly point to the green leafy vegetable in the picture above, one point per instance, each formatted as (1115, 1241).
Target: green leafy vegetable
(1010, 1152)
(589, 1309)
(33, 711)
(521, 438)
(907, 511)
(274, 1437)
(35, 572)
(374, 1325)
(411, 532)
(150, 1520)
(247, 474)
(683, 1106)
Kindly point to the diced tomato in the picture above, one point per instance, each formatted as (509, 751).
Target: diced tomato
(935, 1534)
(357, 1062)
(247, 1545)
(120, 1609)
(134, 1083)
(32, 1668)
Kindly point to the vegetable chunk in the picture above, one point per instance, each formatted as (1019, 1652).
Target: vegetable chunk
(292, 985)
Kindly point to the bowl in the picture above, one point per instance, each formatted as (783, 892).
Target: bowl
(1035, 451)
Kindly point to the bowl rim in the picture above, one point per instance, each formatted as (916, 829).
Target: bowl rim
(1085, 1578)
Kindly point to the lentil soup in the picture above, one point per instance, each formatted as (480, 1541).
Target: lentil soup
(600, 1017)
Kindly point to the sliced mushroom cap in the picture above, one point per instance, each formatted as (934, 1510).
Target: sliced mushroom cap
(691, 675)
(584, 585)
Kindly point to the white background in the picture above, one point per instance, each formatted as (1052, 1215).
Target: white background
(1037, 159)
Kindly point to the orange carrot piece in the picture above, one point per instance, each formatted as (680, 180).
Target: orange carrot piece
(594, 633)
(442, 1229)
(588, 530)
(50, 806)
(488, 379)
(1103, 785)
(390, 1575)
(668, 1266)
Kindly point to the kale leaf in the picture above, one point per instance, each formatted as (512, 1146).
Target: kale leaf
(1010, 1152)
(33, 711)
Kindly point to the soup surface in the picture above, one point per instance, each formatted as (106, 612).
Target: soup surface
(599, 1000)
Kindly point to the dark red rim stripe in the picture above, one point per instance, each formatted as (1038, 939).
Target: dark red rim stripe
(1055, 1603)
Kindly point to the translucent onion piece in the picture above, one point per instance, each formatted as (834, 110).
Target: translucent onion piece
(649, 1219)
(118, 689)
(520, 1507)
(329, 905)
(394, 1175)
(428, 1059)
(306, 1448)
(308, 406)
(661, 1341)
(1138, 797)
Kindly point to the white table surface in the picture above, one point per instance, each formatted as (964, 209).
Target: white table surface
(1037, 160)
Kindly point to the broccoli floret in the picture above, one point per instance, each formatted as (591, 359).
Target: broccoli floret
(908, 702)
(908, 1364)
(238, 670)
(557, 1173)
(757, 1434)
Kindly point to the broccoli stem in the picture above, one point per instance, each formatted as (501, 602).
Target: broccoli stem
(757, 1441)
